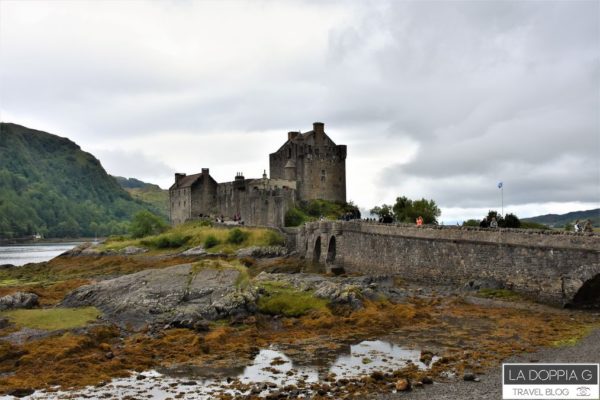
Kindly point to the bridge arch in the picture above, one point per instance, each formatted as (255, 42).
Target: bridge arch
(588, 295)
(317, 250)
(331, 249)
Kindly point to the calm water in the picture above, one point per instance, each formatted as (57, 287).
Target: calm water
(32, 253)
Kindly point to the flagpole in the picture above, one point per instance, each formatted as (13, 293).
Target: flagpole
(501, 187)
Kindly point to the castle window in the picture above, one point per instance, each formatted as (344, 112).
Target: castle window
(290, 152)
(322, 175)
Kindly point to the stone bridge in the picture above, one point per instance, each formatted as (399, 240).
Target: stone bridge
(553, 267)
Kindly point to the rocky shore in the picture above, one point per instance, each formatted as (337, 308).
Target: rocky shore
(255, 323)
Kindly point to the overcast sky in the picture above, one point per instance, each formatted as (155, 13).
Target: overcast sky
(434, 99)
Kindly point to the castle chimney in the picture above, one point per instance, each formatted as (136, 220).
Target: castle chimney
(205, 171)
(293, 135)
(319, 128)
(178, 177)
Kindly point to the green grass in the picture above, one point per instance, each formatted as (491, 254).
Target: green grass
(242, 280)
(503, 294)
(281, 299)
(197, 233)
(51, 319)
(573, 340)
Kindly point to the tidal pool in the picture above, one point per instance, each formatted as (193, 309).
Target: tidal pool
(269, 370)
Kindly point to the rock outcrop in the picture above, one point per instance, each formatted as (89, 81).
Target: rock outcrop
(18, 300)
(338, 290)
(182, 295)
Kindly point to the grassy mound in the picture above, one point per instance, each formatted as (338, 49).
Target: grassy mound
(201, 233)
(281, 299)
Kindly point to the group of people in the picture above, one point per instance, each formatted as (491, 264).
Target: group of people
(579, 227)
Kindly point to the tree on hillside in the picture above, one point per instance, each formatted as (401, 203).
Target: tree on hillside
(145, 223)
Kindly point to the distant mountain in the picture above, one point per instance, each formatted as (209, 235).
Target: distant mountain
(559, 220)
(146, 192)
(48, 185)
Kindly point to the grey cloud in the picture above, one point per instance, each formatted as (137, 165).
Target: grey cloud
(133, 164)
(487, 90)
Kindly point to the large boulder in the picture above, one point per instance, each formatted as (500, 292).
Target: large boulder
(18, 300)
(176, 296)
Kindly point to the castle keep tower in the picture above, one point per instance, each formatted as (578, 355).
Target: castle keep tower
(315, 162)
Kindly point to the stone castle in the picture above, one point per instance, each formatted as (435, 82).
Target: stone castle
(307, 166)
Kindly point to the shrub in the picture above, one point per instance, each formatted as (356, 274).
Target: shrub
(511, 221)
(210, 241)
(275, 239)
(144, 223)
(237, 236)
(166, 241)
(294, 217)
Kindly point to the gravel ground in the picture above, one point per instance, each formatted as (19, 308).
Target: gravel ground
(490, 386)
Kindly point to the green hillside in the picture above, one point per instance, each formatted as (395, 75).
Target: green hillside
(559, 220)
(146, 192)
(50, 186)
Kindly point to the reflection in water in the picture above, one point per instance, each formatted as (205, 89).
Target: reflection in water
(269, 366)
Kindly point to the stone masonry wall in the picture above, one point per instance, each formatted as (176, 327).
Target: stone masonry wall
(545, 266)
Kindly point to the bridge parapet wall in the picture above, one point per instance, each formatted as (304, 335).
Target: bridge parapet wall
(548, 266)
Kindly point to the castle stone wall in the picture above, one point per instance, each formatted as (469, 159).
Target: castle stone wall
(180, 205)
(255, 205)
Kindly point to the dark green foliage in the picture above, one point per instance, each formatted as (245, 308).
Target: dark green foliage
(511, 221)
(166, 241)
(144, 223)
(237, 236)
(50, 186)
(385, 211)
(407, 211)
(470, 222)
(294, 217)
(210, 241)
